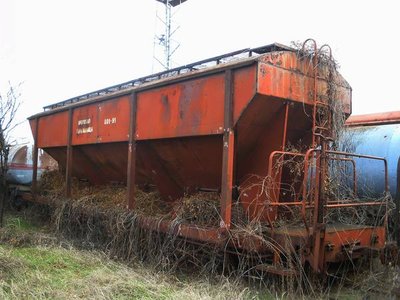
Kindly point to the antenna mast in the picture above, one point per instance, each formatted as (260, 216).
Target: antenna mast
(164, 39)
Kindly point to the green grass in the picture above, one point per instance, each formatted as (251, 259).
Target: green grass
(19, 223)
(57, 273)
(35, 264)
(58, 265)
(32, 271)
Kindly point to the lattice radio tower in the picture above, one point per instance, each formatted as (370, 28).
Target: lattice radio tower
(165, 39)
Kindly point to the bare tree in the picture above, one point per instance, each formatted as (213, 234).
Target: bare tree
(9, 105)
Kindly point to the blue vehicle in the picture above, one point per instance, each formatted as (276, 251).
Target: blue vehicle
(20, 169)
(378, 135)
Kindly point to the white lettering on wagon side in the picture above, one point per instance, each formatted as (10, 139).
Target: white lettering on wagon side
(83, 126)
(84, 121)
(109, 121)
(84, 130)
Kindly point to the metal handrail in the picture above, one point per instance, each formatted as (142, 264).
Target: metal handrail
(337, 204)
(249, 52)
(354, 170)
(367, 157)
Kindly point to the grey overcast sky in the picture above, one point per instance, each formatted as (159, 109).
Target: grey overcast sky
(61, 48)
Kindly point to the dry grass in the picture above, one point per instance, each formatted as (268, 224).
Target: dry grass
(201, 208)
(58, 270)
(155, 265)
(61, 271)
(57, 273)
(97, 218)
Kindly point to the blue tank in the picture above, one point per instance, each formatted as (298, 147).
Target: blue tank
(376, 140)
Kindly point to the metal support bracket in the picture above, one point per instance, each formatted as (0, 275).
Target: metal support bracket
(131, 171)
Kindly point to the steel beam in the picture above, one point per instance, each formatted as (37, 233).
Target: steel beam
(228, 153)
(285, 126)
(68, 168)
(35, 158)
(131, 172)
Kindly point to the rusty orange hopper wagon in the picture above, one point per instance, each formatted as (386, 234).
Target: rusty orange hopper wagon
(225, 125)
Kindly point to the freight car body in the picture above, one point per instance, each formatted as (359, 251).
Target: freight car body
(218, 124)
(376, 134)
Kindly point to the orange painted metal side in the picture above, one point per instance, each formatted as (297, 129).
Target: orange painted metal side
(244, 89)
(259, 132)
(352, 240)
(284, 75)
(188, 108)
(99, 164)
(105, 122)
(281, 83)
(85, 125)
(52, 131)
(180, 165)
(114, 120)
